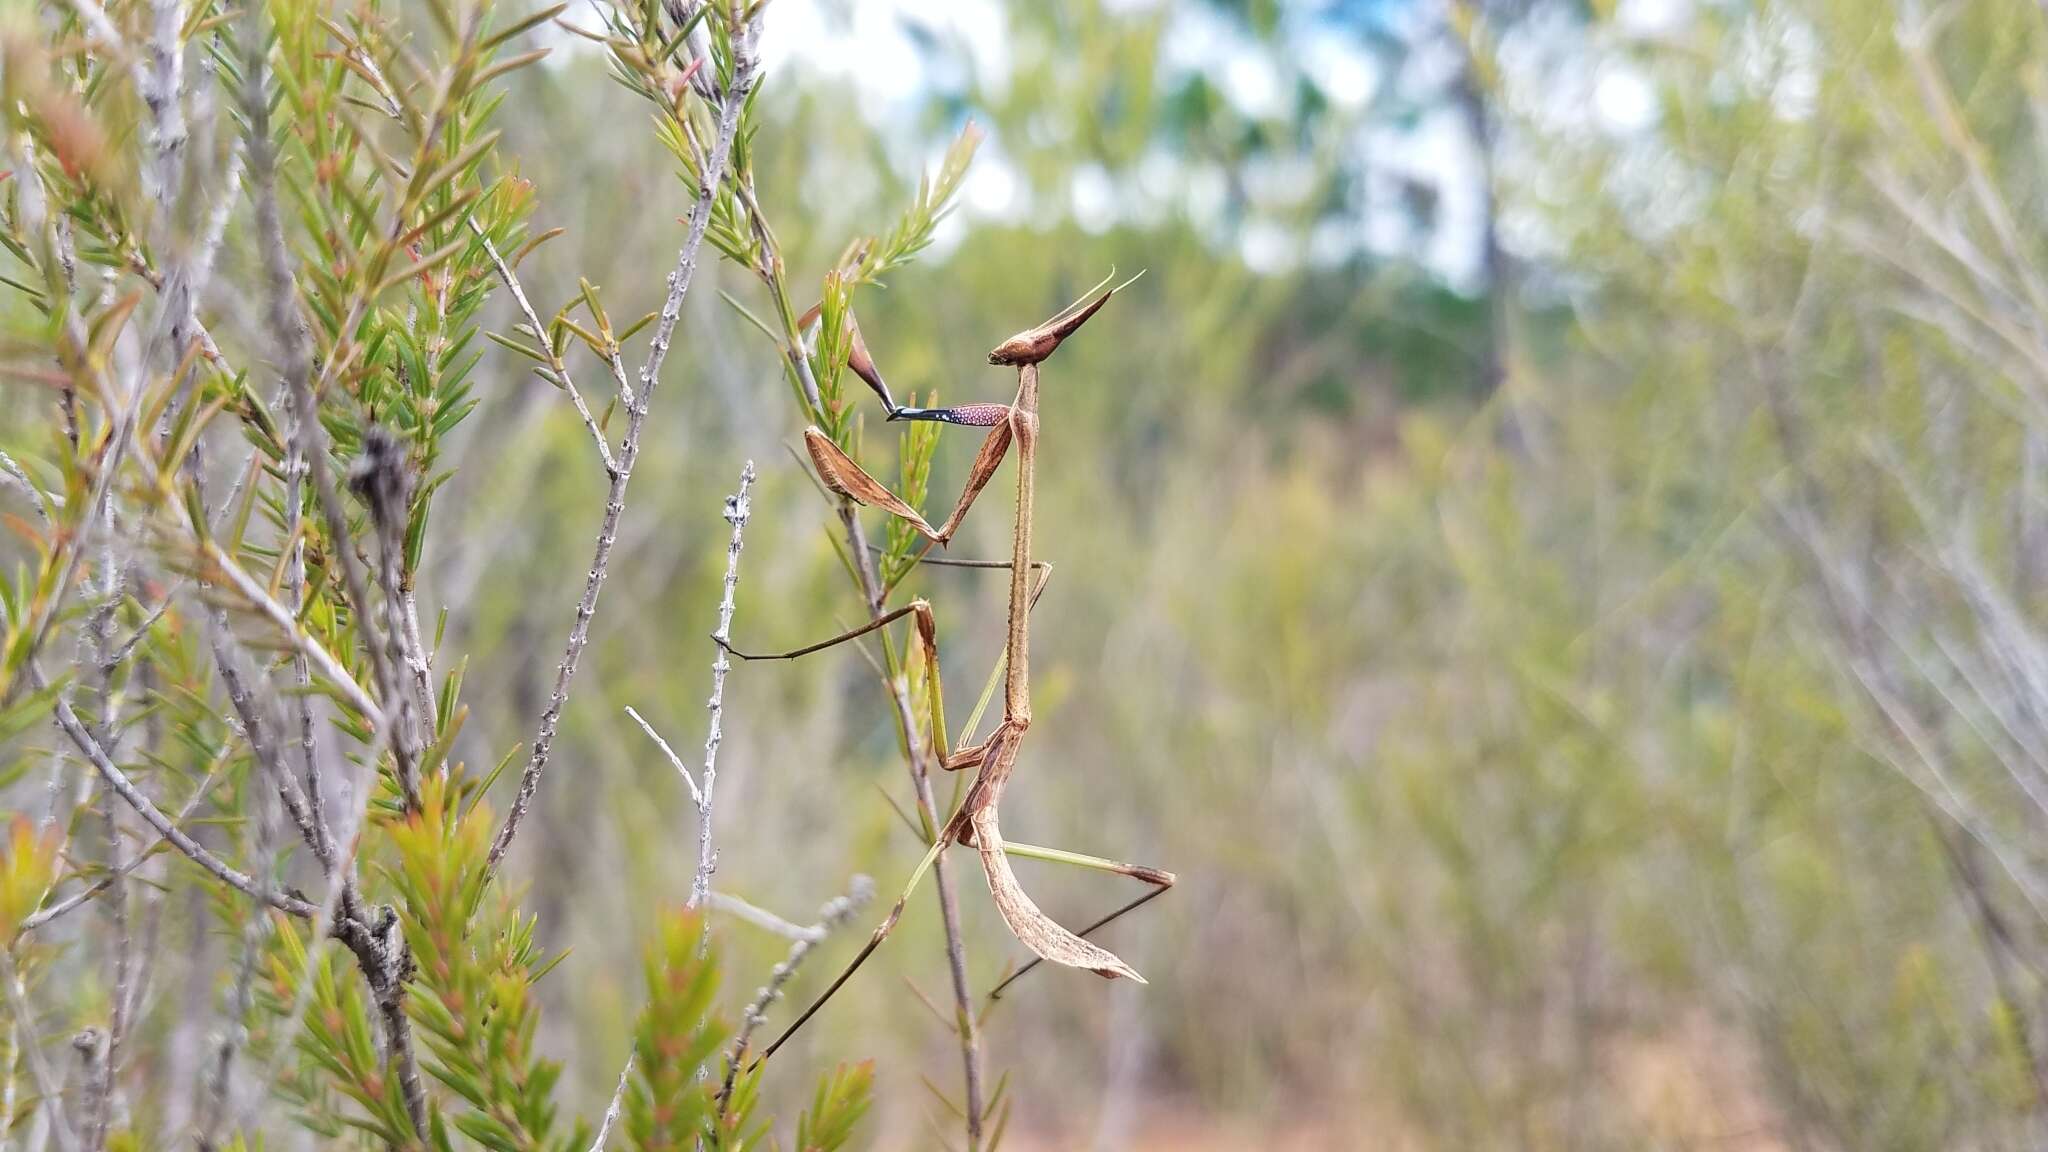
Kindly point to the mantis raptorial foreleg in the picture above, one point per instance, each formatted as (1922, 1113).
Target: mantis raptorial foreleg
(847, 478)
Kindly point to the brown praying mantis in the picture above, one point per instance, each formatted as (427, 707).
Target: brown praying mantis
(975, 822)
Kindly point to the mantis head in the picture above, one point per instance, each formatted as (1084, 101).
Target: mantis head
(1036, 344)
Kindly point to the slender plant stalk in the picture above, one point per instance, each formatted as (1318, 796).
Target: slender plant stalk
(874, 595)
(737, 509)
(76, 731)
(38, 1064)
(919, 764)
(556, 364)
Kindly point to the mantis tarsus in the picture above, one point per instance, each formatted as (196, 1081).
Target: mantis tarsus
(975, 822)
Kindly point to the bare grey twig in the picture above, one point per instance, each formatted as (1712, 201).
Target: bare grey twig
(380, 479)
(730, 108)
(556, 364)
(683, 770)
(164, 94)
(126, 648)
(704, 794)
(38, 1065)
(13, 472)
(260, 598)
(758, 916)
(51, 912)
(617, 1105)
(294, 602)
(257, 720)
(836, 912)
(737, 509)
(341, 897)
(146, 808)
(234, 1030)
(8, 1101)
(103, 30)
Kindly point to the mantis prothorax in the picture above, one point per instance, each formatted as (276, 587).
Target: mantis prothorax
(975, 823)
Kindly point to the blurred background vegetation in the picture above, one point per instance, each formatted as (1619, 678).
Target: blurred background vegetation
(1551, 553)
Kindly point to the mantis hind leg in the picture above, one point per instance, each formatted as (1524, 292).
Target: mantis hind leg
(881, 933)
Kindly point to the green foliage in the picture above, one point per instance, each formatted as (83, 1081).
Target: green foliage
(827, 362)
(375, 134)
(210, 645)
(477, 964)
(932, 203)
(27, 869)
(670, 1104)
(839, 1103)
(337, 1038)
(917, 446)
(674, 1101)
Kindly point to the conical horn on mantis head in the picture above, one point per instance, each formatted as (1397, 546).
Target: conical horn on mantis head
(1035, 344)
